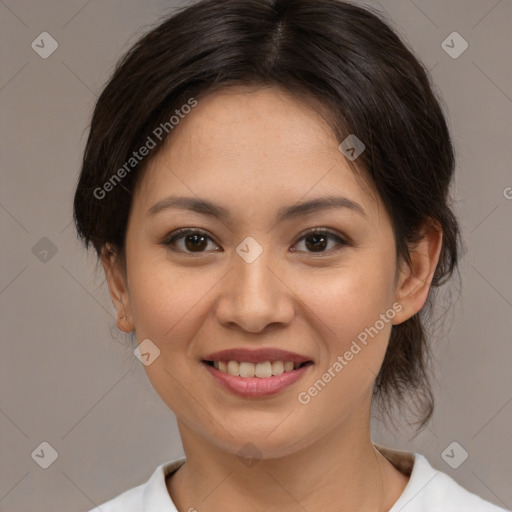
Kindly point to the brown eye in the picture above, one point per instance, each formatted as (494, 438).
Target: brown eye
(317, 240)
(192, 241)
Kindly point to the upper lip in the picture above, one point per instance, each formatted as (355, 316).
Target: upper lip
(256, 355)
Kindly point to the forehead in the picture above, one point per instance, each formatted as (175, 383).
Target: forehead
(252, 143)
(255, 124)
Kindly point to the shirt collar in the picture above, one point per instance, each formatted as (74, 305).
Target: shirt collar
(156, 497)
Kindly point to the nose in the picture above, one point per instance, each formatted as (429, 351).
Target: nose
(254, 296)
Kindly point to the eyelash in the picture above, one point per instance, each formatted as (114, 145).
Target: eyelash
(181, 233)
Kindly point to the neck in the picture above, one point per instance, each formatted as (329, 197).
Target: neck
(341, 472)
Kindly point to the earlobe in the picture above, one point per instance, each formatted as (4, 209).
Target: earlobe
(415, 279)
(123, 324)
(118, 289)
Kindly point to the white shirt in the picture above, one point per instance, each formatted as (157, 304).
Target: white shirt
(428, 490)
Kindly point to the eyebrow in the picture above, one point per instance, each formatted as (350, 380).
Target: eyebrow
(205, 207)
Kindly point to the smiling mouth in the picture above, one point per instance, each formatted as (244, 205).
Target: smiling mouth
(262, 370)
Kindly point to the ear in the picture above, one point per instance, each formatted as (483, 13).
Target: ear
(414, 280)
(118, 288)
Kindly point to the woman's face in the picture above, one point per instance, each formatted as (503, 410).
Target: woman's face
(254, 279)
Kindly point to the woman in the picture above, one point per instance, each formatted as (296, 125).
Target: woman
(266, 184)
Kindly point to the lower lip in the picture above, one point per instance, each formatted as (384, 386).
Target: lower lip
(254, 387)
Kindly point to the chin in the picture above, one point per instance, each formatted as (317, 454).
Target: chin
(263, 441)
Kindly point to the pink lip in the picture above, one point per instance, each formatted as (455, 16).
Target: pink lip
(254, 387)
(256, 355)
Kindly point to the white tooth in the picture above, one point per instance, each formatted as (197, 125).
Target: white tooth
(247, 369)
(233, 368)
(216, 364)
(223, 366)
(288, 366)
(263, 370)
(277, 367)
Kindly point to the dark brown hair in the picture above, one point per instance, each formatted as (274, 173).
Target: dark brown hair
(339, 55)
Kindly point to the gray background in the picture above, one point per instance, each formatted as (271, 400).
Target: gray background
(69, 379)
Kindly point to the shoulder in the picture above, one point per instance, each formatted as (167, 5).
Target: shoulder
(151, 496)
(434, 491)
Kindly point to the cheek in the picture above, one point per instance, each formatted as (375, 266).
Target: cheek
(166, 303)
(348, 300)
(352, 314)
(352, 319)
(168, 307)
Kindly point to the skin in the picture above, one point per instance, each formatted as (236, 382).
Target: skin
(254, 151)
